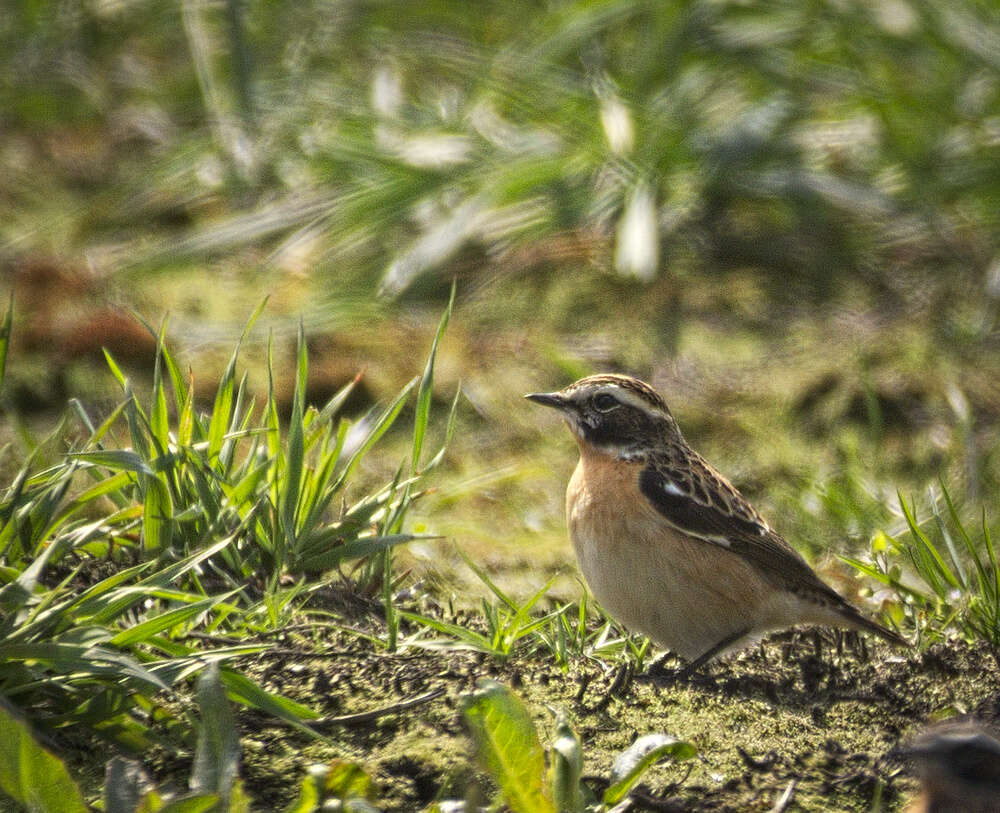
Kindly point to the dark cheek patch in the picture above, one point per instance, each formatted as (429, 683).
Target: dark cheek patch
(609, 430)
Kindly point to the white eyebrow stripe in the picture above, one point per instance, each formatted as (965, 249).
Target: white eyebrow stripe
(632, 399)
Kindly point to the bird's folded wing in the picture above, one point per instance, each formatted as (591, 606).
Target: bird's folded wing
(710, 509)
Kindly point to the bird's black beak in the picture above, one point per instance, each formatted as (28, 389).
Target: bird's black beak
(549, 399)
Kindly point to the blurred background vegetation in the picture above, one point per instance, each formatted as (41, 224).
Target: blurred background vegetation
(785, 215)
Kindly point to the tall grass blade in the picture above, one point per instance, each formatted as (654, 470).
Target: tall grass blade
(379, 428)
(448, 432)
(217, 756)
(424, 392)
(295, 454)
(158, 420)
(5, 330)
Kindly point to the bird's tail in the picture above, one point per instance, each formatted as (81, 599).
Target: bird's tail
(861, 622)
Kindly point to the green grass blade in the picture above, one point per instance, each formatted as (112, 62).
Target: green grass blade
(248, 693)
(5, 330)
(222, 407)
(424, 392)
(357, 549)
(449, 432)
(295, 453)
(116, 371)
(381, 425)
(272, 424)
(485, 579)
(470, 638)
(158, 421)
(217, 756)
(116, 460)
(925, 555)
(157, 517)
(98, 434)
(165, 621)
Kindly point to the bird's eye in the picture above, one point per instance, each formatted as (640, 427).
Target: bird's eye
(605, 402)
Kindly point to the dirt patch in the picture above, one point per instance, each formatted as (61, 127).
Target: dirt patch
(813, 712)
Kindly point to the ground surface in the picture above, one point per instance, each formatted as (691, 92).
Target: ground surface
(814, 712)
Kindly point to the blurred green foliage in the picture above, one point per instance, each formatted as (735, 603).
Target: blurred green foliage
(819, 141)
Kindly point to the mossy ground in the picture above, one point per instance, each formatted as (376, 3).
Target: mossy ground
(822, 713)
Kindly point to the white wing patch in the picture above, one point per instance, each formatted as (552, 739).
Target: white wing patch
(672, 488)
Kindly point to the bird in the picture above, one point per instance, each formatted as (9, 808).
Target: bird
(959, 768)
(666, 543)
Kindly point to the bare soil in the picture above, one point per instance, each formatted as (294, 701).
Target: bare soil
(819, 713)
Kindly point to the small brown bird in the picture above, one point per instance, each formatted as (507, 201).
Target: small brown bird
(666, 543)
(959, 769)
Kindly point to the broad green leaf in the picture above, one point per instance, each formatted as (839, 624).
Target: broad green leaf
(632, 763)
(357, 549)
(508, 746)
(115, 459)
(30, 775)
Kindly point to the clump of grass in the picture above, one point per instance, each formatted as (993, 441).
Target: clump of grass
(218, 521)
(941, 577)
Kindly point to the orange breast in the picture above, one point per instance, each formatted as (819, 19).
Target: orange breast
(685, 593)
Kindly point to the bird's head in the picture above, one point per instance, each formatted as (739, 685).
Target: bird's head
(616, 414)
(957, 761)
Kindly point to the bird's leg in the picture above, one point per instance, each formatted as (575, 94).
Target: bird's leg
(705, 657)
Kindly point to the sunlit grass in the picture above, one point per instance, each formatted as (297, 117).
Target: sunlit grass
(941, 575)
(213, 523)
